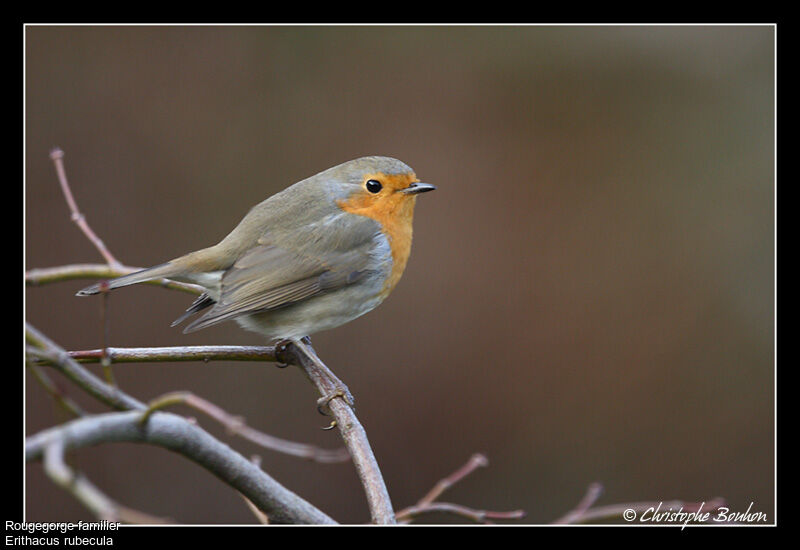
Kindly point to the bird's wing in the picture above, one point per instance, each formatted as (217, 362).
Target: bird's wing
(281, 270)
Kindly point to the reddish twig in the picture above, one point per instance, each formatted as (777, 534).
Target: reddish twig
(58, 395)
(177, 354)
(631, 511)
(592, 494)
(57, 156)
(478, 516)
(428, 504)
(236, 426)
(475, 461)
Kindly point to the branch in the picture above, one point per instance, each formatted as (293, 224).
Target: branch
(47, 275)
(236, 426)
(45, 349)
(592, 494)
(478, 516)
(86, 493)
(67, 403)
(48, 353)
(57, 156)
(475, 461)
(179, 435)
(177, 354)
(353, 434)
(584, 513)
(427, 504)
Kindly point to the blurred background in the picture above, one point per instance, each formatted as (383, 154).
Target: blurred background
(590, 295)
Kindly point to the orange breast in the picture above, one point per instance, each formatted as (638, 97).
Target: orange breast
(395, 213)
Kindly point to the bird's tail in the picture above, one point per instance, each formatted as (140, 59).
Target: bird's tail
(168, 269)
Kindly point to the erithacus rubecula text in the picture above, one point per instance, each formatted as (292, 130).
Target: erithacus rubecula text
(320, 253)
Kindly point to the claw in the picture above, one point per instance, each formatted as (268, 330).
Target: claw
(280, 349)
(332, 426)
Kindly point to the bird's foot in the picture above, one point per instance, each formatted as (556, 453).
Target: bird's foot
(341, 391)
(281, 347)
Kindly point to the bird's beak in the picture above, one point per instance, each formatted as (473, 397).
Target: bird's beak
(418, 187)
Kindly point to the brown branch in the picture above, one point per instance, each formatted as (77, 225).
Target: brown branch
(236, 426)
(57, 156)
(109, 394)
(478, 516)
(177, 354)
(48, 352)
(631, 511)
(87, 493)
(475, 461)
(163, 429)
(592, 494)
(67, 403)
(48, 275)
(427, 504)
(351, 430)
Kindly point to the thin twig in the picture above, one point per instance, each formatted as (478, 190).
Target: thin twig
(635, 509)
(427, 504)
(592, 494)
(57, 156)
(475, 461)
(48, 275)
(236, 426)
(67, 403)
(105, 360)
(87, 493)
(478, 516)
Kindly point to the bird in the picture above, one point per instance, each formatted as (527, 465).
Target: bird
(318, 254)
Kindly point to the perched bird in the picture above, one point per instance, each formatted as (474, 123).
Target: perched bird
(320, 253)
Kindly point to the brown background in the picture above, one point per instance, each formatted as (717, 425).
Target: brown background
(591, 292)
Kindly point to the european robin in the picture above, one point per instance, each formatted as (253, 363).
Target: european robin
(320, 253)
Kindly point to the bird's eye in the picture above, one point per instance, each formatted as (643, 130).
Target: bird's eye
(374, 186)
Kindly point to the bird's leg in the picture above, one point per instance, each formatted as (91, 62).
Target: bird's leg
(315, 368)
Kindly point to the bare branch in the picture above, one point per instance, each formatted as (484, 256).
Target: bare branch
(109, 394)
(236, 426)
(478, 516)
(86, 493)
(181, 436)
(353, 434)
(427, 504)
(57, 156)
(584, 513)
(592, 494)
(475, 461)
(44, 349)
(177, 354)
(260, 516)
(56, 393)
(47, 275)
